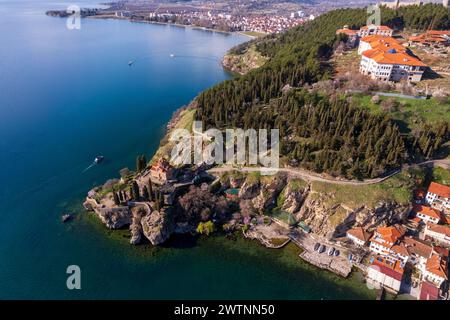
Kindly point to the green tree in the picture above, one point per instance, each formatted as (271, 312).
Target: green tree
(207, 227)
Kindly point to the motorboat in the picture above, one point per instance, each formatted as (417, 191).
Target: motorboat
(99, 159)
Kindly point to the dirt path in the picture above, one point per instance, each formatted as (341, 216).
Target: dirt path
(310, 176)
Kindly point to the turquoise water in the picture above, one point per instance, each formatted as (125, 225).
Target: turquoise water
(69, 95)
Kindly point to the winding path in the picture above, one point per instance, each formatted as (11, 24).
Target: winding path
(310, 176)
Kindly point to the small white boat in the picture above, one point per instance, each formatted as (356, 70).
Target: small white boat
(99, 159)
(130, 62)
(66, 217)
(172, 55)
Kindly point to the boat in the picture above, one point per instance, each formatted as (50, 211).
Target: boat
(99, 159)
(336, 252)
(66, 217)
(322, 248)
(331, 251)
(130, 63)
(172, 55)
(316, 246)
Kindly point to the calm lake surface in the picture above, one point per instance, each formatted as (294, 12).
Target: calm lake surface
(69, 95)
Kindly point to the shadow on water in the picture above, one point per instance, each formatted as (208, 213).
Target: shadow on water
(181, 241)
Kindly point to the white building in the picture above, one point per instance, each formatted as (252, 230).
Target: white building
(359, 236)
(427, 214)
(375, 30)
(436, 270)
(385, 274)
(384, 239)
(438, 196)
(438, 233)
(385, 59)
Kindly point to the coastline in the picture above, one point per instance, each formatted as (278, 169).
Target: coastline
(193, 27)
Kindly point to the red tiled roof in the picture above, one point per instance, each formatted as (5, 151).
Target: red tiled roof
(383, 43)
(429, 291)
(393, 271)
(400, 249)
(360, 233)
(439, 229)
(399, 58)
(437, 266)
(392, 233)
(439, 189)
(428, 211)
(418, 247)
(441, 251)
(347, 31)
(385, 28)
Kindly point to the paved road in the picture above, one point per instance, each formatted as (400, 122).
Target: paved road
(310, 176)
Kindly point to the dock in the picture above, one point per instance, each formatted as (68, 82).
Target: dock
(324, 261)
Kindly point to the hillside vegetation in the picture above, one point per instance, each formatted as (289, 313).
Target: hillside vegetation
(324, 133)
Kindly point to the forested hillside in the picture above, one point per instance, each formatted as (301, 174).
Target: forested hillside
(322, 133)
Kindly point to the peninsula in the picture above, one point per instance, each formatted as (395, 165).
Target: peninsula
(364, 171)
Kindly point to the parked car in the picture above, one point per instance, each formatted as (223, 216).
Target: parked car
(316, 246)
(336, 252)
(331, 251)
(322, 248)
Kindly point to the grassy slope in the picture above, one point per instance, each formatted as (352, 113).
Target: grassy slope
(394, 189)
(185, 120)
(412, 112)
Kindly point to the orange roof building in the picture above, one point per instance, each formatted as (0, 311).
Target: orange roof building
(432, 38)
(161, 171)
(436, 270)
(381, 43)
(386, 59)
(347, 31)
(359, 235)
(427, 214)
(438, 196)
(385, 238)
(375, 30)
(438, 233)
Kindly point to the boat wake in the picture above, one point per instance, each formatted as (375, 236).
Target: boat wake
(90, 166)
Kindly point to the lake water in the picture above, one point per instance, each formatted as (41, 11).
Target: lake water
(69, 95)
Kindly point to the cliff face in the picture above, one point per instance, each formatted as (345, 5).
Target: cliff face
(156, 226)
(324, 212)
(332, 221)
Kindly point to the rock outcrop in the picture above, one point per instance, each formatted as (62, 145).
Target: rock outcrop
(293, 197)
(136, 228)
(249, 189)
(158, 226)
(332, 221)
(270, 188)
(115, 218)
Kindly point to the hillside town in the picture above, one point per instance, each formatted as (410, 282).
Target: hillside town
(412, 256)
